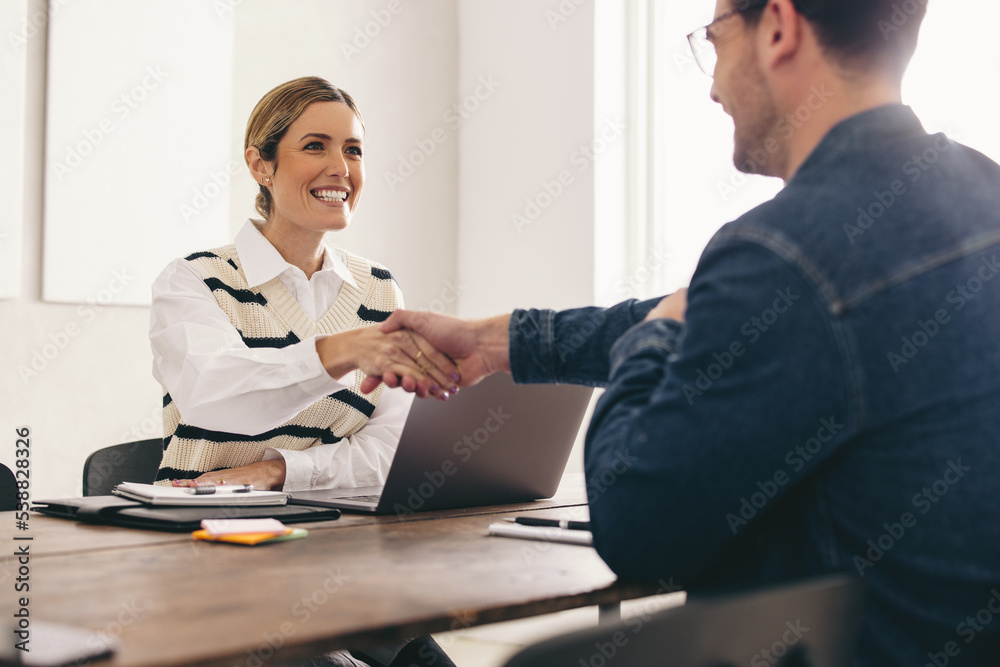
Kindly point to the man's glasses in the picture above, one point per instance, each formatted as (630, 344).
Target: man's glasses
(702, 47)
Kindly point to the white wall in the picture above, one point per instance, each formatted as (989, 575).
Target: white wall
(470, 108)
(535, 126)
(90, 384)
(13, 60)
(398, 59)
(78, 376)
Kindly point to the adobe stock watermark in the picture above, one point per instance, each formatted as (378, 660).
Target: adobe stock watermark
(129, 613)
(121, 108)
(901, 14)
(923, 502)
(301, 611)
(101, 471)
(365, 34)
(785, 128)
(225, 7)
(753, 329)
(630, 284)
(967, 631)
(925, 331)
(454, 116)
(531, 550)
(447, 298)
(463, 450)
(218, 182)
(882, 200)
(580, 160)
(606, 651)
(791, 635)
(34, 25)
(460, 620)
(796, 459)
(562, 13)
(57, 341)
(102, 640)
(598, 485)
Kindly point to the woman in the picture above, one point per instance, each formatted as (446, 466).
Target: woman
(263, 347)
(257, 343)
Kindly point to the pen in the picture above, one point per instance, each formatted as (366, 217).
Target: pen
(554, 523)
(205, 490)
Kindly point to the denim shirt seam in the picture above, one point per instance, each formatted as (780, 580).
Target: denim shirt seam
(790, 252)
(926, 264)
(547, 325)
(830, 302)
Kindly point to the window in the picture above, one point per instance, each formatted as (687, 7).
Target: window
(681, 184)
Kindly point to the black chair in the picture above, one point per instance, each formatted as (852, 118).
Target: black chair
(814, 623)
(8, 489)
(129, 462)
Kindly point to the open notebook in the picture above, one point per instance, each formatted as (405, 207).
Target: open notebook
(151, 494)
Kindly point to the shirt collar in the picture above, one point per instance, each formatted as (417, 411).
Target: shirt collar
(867, 128)
(262, 262)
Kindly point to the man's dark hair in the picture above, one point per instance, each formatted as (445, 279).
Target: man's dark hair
(860, 33)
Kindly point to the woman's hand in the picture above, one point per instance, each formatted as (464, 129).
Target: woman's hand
(477, 347)
(263, 475)
(399, 358)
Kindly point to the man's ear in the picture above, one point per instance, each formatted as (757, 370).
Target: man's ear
(259, 167)
(780, 33)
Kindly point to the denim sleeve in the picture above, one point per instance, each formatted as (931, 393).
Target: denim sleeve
(571, 346)
(685, 433)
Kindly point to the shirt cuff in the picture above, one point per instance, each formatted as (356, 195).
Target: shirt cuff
(318, 382)
(530, 336)
(298, 468)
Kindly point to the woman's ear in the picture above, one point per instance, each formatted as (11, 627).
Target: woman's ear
(259, 167)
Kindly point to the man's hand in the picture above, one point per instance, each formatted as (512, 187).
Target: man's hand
(478, 347)
(671, 307)
(398, 358)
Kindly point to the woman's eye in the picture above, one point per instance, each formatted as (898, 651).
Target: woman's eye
(314, 146)
(354, 150)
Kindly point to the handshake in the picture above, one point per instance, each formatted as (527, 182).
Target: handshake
(434, 355)
(424, 353)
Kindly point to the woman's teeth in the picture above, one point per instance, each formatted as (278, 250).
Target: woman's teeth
(330, 195)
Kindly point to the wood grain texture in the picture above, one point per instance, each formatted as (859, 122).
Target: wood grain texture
(55, 536)
(351, 583)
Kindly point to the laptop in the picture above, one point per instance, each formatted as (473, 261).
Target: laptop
(493, 443)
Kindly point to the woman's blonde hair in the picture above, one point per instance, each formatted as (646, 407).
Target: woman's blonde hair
(274, 114)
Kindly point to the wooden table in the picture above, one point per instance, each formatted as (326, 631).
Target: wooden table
(354, 582)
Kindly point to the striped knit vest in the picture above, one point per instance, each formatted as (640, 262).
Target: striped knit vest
(269, 316)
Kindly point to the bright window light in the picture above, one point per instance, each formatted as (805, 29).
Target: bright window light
(950, 85)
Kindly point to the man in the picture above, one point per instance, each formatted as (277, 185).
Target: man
(824, 397)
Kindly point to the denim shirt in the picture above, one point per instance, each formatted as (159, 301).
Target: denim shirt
(832, 402)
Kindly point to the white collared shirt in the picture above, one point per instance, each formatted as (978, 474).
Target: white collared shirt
(219, 383)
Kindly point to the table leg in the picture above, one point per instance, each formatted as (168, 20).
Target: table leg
(609, 613)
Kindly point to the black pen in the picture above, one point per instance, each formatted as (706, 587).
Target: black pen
(553, 523)
(235, 488)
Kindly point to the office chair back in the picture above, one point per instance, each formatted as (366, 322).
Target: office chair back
(8, 489)
(808, 624)
(129, 462)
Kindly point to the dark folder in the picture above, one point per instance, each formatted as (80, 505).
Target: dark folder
(116, 511)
